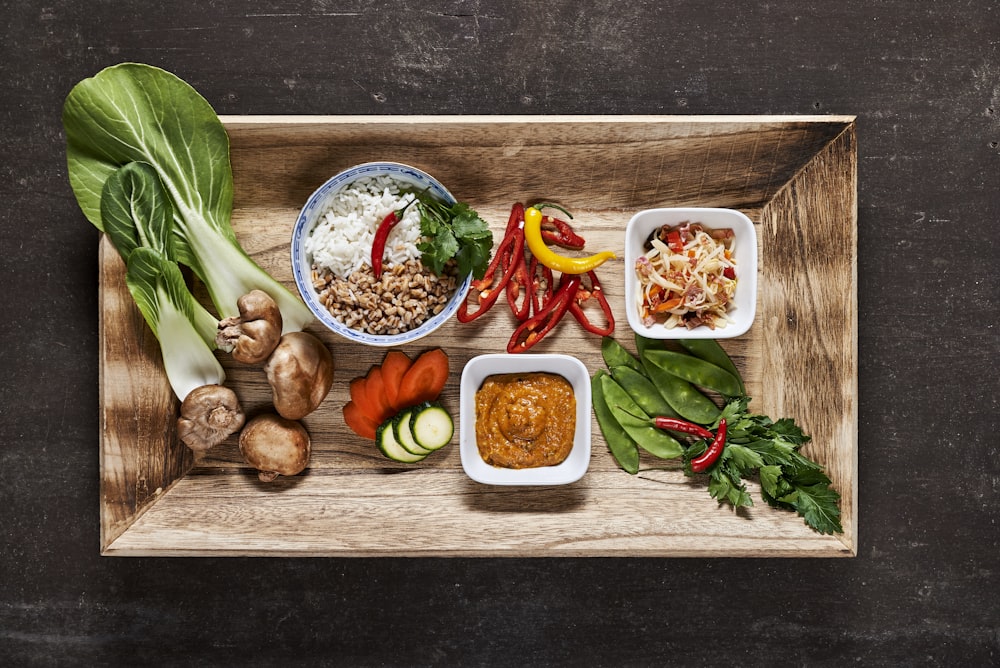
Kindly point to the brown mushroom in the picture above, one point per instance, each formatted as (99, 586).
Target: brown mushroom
(253, 334)
(300, 372)
(209, 414)
(275, 446)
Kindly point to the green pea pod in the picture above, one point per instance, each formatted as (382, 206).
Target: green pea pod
(622, 447)
(615, 354)
(711, 351)
(696, 371)
(637, 424)
(642, 391)
(684, 397)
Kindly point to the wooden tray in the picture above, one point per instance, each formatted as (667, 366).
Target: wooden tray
(796, 177)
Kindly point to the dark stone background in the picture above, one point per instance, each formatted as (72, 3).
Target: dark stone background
(924, 81)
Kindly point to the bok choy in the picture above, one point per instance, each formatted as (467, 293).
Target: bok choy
(138, 219)
(139, 113)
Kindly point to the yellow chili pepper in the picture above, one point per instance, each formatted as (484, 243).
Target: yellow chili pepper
(551, 259)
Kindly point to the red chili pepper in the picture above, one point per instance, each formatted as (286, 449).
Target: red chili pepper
(676, 424)
(598, 293)
(711, 454)
(511, 246)
(378, 244)
(542, 284)
(560, 233)
(518, 280)
(729, 273)
(534, 329)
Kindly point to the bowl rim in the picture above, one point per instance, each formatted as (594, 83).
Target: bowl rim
(576, 463)
(309, 216)
(743, 227)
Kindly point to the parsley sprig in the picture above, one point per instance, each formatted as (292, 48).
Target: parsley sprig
(756, 445)
(454, 231)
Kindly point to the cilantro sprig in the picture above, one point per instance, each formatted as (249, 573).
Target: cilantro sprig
(756, 445)
(453, 232)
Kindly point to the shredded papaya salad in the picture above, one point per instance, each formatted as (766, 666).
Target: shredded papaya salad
(687, 277)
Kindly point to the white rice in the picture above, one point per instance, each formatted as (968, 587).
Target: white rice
(341, 242)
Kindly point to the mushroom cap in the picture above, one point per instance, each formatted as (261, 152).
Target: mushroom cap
(253, 335)
(300, 372)
(275, 446)
(209, 414)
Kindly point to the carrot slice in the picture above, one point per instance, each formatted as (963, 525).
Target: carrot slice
(424, 380)
(375, 392)
(358, 421)
(359, 395)
(394, 366)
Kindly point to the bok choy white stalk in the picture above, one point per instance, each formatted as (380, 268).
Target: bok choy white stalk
(139, 113)
(159, 291)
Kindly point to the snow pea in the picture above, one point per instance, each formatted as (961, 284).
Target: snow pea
(642, 391)
(696, 371)
(615, 354)
(711, 351)
(682, 396)
(622, 447)
(636, 423)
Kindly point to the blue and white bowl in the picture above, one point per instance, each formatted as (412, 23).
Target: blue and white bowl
(311, 214)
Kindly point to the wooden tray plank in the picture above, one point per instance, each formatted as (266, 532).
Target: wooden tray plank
(438, 512)
(796, 176)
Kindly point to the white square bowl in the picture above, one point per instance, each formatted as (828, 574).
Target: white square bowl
(641, 226)
(479, 369)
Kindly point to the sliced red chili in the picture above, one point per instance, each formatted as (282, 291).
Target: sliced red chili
(542, 284)
(534, 329)
(729, 273)
(595, 291)
(518, 288)
(560, 233)
(489, 286)
(714, 450)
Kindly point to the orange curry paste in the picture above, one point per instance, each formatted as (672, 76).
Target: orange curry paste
(525, 420)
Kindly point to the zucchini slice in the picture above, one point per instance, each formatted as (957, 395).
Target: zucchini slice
(432, 426)
(390, 447)
(404, 436)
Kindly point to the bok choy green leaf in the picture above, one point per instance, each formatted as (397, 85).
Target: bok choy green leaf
(137, 214)
(139, 113)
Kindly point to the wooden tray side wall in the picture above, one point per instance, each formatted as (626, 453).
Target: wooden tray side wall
(809, 239)
(353, 502)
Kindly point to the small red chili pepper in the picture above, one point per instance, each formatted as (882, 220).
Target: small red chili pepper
(676, 424)
(711, 454)
(512, 245)
(729, 273)
(534, 329)
(560, 233)
(596, 292)
(381, 236)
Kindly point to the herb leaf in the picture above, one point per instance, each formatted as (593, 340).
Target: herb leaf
(455, 231)
(788, 479)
